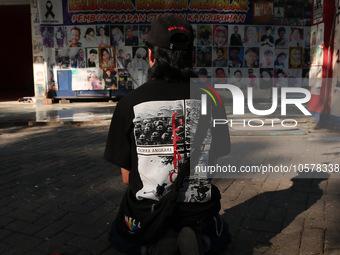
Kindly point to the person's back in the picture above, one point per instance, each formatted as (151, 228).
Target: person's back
(159, 109)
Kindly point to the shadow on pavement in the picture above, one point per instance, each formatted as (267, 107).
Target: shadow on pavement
(258, 220)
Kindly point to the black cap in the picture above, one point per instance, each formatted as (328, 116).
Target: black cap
(171, 32)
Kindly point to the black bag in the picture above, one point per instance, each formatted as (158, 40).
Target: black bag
(144, 221)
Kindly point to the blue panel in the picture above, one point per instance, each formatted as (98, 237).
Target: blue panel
(64, 79)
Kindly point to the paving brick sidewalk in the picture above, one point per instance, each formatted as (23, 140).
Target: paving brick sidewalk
(57, 194)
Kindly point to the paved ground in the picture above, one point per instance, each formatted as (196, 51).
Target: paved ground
(57, 194)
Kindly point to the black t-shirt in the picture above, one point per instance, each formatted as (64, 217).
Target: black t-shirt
(141, 140)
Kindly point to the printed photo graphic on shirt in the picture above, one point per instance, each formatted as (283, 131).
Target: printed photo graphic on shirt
(154, 123)
(92, 57)
(251, 36)
(131, 35)
(89, 36)
(102, 35)
(295, 57)
(282, 37)
(78, 59)
(138, 76)
(50, 12)
(110, 79)
(195, 190)
(267, 36)
(106, 57)
(192, 116)
(60, 35)
(47, 36)
(124, 79)
(157, 174)
(204, 35)
(117, 35)
(62, 58)
(220, 35)
(204, 56)
(143, 30)
(236, 35)
(161, 128)
(140, 57)
(74, 36)
(123, 57)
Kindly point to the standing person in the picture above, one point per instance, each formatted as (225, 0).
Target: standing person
(140, 124)
(235, 38)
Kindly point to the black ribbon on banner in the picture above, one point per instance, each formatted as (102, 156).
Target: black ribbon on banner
(49, 8)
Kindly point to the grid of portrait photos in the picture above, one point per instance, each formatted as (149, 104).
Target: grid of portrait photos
(271, 53)
(108, 57)
(101, 57)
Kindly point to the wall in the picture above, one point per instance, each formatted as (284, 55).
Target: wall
(16, 64)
